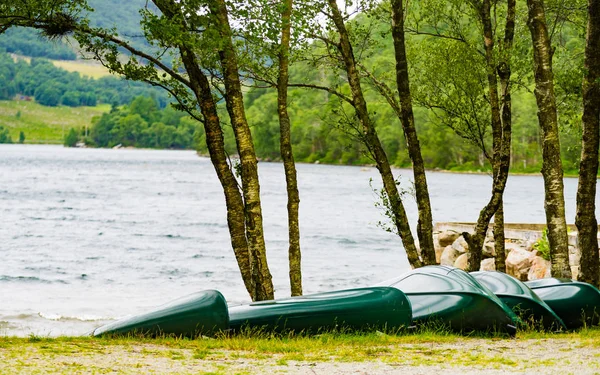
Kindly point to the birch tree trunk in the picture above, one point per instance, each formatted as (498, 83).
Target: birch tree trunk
(554, 203)
(501, 139)
(425, 223)
(234, 203)
(287, 156)
(585, 219)
(372, 141)
(249, 164)
(504, 73)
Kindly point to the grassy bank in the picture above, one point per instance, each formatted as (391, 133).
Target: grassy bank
(425, 352)
(42, 124)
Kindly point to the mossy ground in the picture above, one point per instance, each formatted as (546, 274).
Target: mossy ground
(422, 352)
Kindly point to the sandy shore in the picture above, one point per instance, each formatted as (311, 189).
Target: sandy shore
(567, 354)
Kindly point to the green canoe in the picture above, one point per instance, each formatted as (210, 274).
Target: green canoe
(522, 300)
(359, 309)
(201, 313)
(577, 303)
(452, 297)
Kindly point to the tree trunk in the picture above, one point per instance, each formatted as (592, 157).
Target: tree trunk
(372, 141)
(506, 113)
(501, 138)
(499, 239)
(249, 164)
(554, 203)
(218, 157)
(216, 147)
(287, 156)
(425, 223)
(585, 219)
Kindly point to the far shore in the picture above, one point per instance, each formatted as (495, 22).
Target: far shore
(474, 172)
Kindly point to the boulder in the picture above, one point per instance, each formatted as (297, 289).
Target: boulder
(446, 237)
(460, 245)
(540, 268)
(488, 264)
(462, 261)
(574, 272)
(518, 263)
(529, 245)
(488, 249)
(438, 254)
(449, 256)
(574, 256)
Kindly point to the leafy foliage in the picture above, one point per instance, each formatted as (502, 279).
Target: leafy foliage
(71, 138)
(4, 135)
(142, 124)
(543, 245)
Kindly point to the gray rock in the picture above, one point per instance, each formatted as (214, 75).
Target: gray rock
(462, 261)
(447, 237)
(460, 245)
(449, 256)
(574, 256)
(489, 250)
(518, 263)
(540, 268)
(488, 264)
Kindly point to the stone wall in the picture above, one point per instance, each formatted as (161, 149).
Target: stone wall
(522, 260)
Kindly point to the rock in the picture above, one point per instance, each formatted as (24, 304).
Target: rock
(462, 261)
(529, 245)
(574, 256)
(488, 264)
(438, 254)
(518, 263)
(572, 239)
(488, 250)
(449, 256)
(540, 268)
(489, 235)
(460, 245)
(575, 272)
(446, 237)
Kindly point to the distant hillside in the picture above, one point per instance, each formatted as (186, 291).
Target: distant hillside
(41, 124)
(28, 42)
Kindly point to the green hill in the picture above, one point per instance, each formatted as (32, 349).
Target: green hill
(28, 42)
(42, 124)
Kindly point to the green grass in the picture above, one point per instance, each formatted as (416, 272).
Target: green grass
(46, 125)
(83, 67)
(88, 68)
(233, 353)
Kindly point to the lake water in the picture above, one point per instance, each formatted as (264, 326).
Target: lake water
(90, 235)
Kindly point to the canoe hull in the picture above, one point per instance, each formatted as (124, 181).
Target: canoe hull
(461, 312)
(521, 299)
(355, 309)
(576, 303)
(202, 313)
(453, 299)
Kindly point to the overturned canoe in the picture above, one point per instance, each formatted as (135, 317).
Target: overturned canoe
(456, 300)
(357, 309)
(576, 303)
(521, 299)
(201, 313)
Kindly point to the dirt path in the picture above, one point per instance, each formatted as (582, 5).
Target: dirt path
(578, 356)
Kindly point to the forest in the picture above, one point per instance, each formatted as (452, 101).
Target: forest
(479, 84)
(52, 86)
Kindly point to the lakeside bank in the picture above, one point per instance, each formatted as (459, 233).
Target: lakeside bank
(374, 353)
